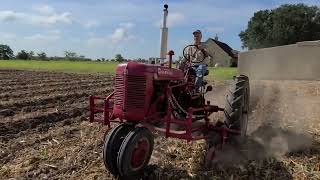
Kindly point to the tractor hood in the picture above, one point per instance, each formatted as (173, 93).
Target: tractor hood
(159, 72)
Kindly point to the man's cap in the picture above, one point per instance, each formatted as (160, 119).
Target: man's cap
(196, 31)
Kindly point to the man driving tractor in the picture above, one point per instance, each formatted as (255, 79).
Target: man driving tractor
(199, 58)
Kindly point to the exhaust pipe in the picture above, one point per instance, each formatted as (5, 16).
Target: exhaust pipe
(164, 35)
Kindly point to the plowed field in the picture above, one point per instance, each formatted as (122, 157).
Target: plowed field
(45, 134)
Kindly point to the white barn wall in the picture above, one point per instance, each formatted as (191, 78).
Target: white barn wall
(219, 55)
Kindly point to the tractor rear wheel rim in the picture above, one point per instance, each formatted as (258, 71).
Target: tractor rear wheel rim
(140, 153)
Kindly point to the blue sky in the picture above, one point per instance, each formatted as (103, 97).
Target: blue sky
(103, 28)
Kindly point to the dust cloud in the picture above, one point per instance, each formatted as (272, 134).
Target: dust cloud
(283, 117)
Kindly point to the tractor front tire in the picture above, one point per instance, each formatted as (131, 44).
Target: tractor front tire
(111, 146)
(135, 152)
(237, 105)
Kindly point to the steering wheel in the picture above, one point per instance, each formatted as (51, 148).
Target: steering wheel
(187, 56)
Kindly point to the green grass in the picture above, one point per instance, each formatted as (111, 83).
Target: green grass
(65, 66)
(221, 73)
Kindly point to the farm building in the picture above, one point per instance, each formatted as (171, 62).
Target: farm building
(222, 54)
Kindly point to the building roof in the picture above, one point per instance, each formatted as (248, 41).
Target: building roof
(225, 47)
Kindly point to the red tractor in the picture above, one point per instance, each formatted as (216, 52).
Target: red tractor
(149, 98)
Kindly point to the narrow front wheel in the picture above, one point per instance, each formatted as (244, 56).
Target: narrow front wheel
(135, 152)
(111, 146)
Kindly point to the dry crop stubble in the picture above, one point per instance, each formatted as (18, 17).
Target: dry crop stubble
(45, 132)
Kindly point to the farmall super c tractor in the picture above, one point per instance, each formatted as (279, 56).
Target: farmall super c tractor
(155, 98)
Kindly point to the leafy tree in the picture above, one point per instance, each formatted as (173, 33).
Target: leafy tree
(23, 55)
(5, 52)
(119, 58)
(70, 55)
(284, 25)
(31, 55)
(42, 56)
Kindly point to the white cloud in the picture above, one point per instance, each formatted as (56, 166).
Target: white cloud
(55, 31)
(36, 19)
(7, 36)
(214, 29)
(127, 25)
(173, 19)
(119, 35)
(44, 9)
(8, 16)
(63, 18)
(91, 24)
(98, 41)
(43, 38)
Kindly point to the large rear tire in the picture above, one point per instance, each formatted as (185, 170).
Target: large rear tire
(135, 152)
(111, 146)
(237, 105)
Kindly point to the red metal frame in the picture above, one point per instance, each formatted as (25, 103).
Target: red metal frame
(166, 131)
(151, 116)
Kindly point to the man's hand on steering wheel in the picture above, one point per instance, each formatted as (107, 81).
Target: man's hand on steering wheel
(186, 55)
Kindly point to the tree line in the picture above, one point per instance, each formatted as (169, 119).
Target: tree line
(287, 24)
(6, 53)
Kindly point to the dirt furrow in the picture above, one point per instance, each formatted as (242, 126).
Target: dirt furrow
(16, 127)
(51, 154)
(67, 88)
(9, 77)
(33, 110)
(43, 100)
(82, 103)
(27, 136)
(29, 111)
(31, 77)
(33, 138)
(45, 81)
(28, 73)
(49, 84)
(57, 77)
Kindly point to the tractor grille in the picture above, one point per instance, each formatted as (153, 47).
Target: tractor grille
(136, 92)
(119, 90)
(133, 94)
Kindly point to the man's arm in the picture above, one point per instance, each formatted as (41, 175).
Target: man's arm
(205, 53)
